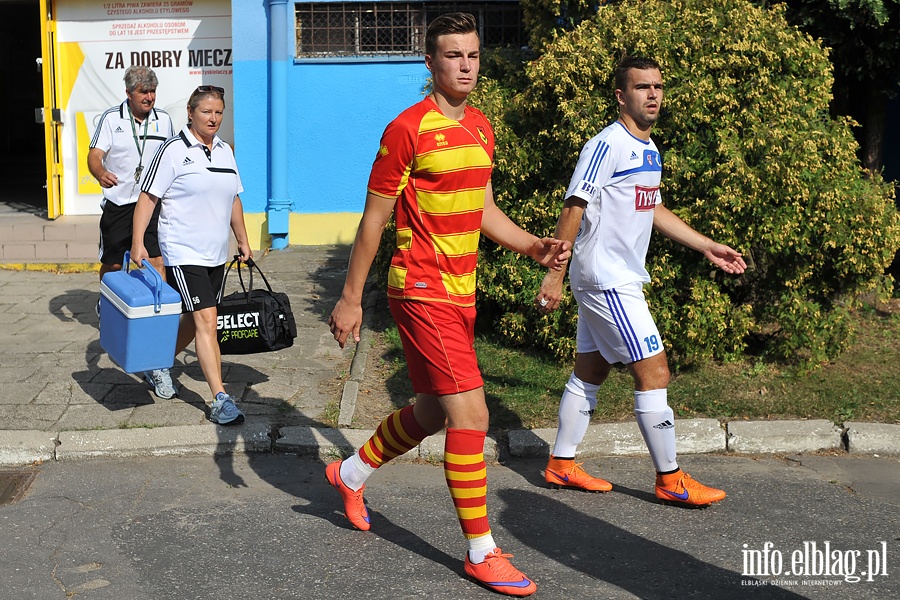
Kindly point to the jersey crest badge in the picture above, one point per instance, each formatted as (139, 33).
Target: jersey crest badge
(482, 135)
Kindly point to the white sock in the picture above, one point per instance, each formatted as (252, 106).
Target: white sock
(479, 547)
(576, 407)
(657, 423)
(354, 472)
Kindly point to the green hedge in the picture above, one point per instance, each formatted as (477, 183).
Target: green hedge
(752, 159)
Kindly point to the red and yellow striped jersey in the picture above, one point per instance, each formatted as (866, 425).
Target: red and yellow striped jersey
(437, 169)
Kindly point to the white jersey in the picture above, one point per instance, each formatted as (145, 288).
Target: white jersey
(618, 176)
(197, 188)
(123, 140)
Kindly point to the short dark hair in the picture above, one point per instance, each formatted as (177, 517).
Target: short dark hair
(632, 62)
(450, 23)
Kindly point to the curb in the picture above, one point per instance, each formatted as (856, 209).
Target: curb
(52, 267)
(695, 436)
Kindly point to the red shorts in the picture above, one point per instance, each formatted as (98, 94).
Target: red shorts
(439, 343)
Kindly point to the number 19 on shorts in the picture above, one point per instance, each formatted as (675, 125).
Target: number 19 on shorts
(652, 343)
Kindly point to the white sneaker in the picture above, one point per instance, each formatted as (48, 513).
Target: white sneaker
(161, 381)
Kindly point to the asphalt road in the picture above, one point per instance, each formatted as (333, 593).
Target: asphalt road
(268, 526)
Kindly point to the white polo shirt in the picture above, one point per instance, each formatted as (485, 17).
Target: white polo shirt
(115, 136)
(197, 188)
(618, 176)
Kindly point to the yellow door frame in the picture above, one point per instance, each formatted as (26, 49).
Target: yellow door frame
(52, 116)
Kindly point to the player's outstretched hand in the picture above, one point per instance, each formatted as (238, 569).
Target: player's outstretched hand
(727, 259)
(551, 253)
(345, 320)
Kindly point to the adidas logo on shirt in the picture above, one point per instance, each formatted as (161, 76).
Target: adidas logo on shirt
(667, 424)
(187, 161)
(119, 129)
(634, 155)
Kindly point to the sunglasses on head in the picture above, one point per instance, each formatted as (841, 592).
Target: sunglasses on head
(202, 89)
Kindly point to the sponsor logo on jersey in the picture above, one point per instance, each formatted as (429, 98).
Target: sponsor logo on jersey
(421, 284)
(187, 161)
(119, 129)
(645, 198)
(383, 150)
(634, 155)
(482, 135)
(440, 140)
(587, 186)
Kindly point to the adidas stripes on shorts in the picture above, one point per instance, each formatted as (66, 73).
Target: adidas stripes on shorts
(199, 286)
(617, 323)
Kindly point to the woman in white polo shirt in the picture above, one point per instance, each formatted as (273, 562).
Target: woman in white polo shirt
(195, 177)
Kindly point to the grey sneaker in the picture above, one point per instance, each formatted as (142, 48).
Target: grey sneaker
(161, 382)
(224, 412)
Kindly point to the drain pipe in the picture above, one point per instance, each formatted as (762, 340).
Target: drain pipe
(278, 209)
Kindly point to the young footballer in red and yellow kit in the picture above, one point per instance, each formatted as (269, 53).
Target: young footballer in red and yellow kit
(433, 173)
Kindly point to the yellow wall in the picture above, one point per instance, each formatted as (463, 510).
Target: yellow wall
(305, 229)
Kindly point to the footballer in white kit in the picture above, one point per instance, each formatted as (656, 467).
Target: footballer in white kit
(612, 206)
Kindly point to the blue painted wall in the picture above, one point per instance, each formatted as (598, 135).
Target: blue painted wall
(337, 112)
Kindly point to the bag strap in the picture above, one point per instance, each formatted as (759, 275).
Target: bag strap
(251, 264)
(237, 261)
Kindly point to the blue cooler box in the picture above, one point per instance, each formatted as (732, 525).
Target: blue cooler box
(139, 315)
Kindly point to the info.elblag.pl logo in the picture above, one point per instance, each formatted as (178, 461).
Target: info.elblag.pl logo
(814, 560)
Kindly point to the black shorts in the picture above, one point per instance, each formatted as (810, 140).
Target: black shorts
(198, 286)
(115, 233)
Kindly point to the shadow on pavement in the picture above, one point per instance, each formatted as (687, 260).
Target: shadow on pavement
(387, 530)
(614, 555)
(312, 298)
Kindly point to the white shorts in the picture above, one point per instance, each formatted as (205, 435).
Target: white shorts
(617, 323)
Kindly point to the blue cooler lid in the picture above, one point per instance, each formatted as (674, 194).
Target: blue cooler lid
(140, 292)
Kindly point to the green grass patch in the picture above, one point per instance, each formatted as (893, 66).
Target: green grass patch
(863, 384)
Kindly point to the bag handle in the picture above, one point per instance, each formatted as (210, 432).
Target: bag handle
(251, 264)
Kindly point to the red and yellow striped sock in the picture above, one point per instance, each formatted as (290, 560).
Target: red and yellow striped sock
(466, 476)
(396, 435)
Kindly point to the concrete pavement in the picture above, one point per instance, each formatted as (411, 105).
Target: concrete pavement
(268, 526)
(62, 398)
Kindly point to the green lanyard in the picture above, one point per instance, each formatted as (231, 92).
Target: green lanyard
(140, 147)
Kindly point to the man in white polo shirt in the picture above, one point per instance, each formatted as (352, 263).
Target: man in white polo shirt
(127, 137)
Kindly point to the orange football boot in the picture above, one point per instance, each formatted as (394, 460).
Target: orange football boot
(354, 508)
(568, 473)
(681, 489)
(498, 574)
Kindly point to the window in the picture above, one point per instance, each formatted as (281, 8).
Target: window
(335, 29)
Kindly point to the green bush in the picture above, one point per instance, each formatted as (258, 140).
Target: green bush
(752, 159)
